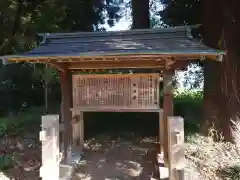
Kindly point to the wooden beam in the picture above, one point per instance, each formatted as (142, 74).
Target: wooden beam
(216, 58)
(113, 57)
(169, 63)
(117, 64)
(94, 66)
(168, 109)
(67, 114)
(59, 66)
(181, 64)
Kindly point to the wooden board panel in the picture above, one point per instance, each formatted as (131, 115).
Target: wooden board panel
(176, 148)
(116, 91)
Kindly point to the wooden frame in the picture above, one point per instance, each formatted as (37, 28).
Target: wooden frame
(69, 109)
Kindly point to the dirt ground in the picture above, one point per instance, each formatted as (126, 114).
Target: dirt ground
(104, 159)
(121, 159)
(25, 157)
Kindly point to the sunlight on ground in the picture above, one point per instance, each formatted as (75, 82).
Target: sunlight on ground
(107, 159)
(127, 168)
(3, 176)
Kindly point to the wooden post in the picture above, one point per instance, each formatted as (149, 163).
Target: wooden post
(176, 148)
(78, 131)
(81, 122)
(168, 109)
(161, 130)
(67, 114)
(51, 157)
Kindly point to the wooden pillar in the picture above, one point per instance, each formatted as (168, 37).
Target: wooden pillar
(161, 131)
(161, 125)
(168, 109)
(66, 87)
(81, 123)
(78, 131)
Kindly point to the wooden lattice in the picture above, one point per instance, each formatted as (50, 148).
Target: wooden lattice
(109, 91)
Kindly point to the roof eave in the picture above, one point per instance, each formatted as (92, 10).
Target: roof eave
(220, 58)
(217, 56)
(4, 61)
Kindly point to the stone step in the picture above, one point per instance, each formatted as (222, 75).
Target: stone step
(163, 171)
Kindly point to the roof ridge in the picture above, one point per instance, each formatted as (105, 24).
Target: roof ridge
(118, 33)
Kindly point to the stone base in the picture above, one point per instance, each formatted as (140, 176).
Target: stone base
(163, 171)
(65, 172)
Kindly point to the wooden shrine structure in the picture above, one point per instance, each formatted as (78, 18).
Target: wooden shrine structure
(158, 51)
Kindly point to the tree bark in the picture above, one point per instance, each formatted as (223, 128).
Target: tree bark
(221, 87)
(140, 14)
(140, 20)
(211, 35)
(230, 68)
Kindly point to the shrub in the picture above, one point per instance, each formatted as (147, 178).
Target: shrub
(6, 161)
(28, 121)
(188, 104)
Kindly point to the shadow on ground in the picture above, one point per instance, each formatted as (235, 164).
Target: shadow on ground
(113, 159)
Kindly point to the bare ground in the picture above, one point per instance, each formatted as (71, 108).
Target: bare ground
(130, 158)
(119, 159)
(25, 156)
(104, 158)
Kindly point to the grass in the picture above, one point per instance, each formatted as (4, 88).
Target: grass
(208, 160)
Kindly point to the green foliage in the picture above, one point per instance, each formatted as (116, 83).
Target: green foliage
(180, 12)
(20, 21)
(6, 161)
(28, 121)
(44, 73)
(232, 173)
(188, 104)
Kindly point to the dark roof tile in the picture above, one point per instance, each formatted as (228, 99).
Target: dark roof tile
(158, 41)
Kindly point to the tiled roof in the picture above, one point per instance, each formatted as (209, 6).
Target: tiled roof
(174, 40)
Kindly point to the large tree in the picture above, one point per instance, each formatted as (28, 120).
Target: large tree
(227, 83)
(140, 14)
(220, 20)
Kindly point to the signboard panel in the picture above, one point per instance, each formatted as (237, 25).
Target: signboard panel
(126, 91)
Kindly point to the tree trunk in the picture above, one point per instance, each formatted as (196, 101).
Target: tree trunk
(140, 14)
(211, 35)
(221, 88)
(140, 20)
(230, 68)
